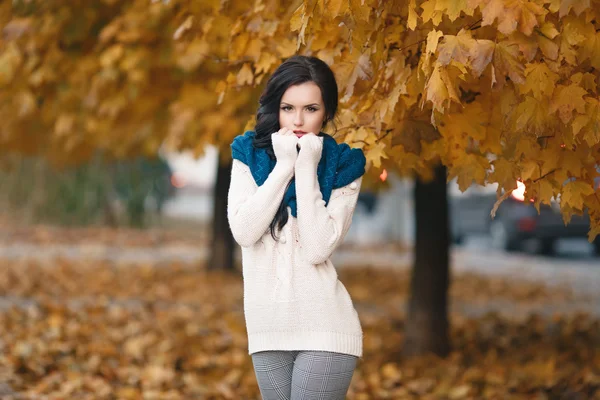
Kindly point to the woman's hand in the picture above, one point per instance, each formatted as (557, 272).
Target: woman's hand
(284, 146)
(311, 148)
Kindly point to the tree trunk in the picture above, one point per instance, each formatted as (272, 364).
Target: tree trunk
(427, 318)
(221, 250)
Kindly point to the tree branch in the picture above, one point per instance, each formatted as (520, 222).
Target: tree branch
(471, 27)
(407, 46)
(543, 176)
(387, 132)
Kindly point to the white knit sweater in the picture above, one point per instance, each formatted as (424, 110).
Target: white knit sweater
(293, 299)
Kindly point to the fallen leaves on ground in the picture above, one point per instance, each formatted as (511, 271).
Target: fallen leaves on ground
(98, 330)
(14, 232)
(197, 235)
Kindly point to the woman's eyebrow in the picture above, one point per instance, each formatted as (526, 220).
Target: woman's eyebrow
(308, 105)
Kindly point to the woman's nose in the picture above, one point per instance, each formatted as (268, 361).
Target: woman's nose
(298, 119)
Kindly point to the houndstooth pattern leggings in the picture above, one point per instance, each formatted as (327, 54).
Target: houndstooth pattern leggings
(303, 375)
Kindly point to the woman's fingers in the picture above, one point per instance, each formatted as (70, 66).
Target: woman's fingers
(284, 131)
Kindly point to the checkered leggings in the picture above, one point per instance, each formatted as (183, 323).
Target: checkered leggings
(303, 375)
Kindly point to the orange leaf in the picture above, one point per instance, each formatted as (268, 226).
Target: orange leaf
(566, 99)
(245, 76)
(506, 62)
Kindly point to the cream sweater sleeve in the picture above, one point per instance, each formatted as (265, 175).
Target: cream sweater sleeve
(322, 228)
(250, 209)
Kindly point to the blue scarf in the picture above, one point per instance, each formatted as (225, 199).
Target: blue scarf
(339, 165)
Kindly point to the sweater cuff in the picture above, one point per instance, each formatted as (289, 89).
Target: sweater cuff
(285, 168)
(306, 164)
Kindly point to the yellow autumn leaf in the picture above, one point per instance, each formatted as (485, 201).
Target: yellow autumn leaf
(585, 80)
(586, 125)
(265, 62)
(463, 49)
(506, 62)
(329, 55)
(468, 169)
(548, 47)
(111, 55)
(245, 76)
(481, 55)
(574, 192)
(541, 191)
(459, 392)
(334, 7)
(548, 29)
(528, 45)
(591, 49)
(298, 17)
(544, 193)
(456, 48)
(286, 47)
(505, 172)
(577, 5)
(359, 68)
(471, 123)
(430, 13)
(437, 92)
(255, 49)
(194, 54)
(360, 9)
(571, 162)
(532, 114)
(299, 22)
(432, 41)
(412, 15)
(184, 27)
(65, 124)
(375, 153)
(453, 8)
(539, 80)
(567, 99)
(593, 233)
(513, 14)
(10, 60)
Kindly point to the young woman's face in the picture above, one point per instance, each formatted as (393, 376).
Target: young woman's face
(302, 109)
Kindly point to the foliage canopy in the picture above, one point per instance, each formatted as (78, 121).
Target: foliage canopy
(497, 90)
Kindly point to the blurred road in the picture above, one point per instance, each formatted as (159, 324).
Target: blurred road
(575, 268)
(190, 202)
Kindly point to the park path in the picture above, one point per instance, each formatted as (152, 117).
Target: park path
(582, 275)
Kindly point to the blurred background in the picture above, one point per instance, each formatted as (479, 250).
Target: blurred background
(119, 277)
(178, 188)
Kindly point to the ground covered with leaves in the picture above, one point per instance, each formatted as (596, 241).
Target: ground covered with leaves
(100, 330)
(14, 231)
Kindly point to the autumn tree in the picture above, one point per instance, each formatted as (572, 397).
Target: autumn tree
(494, 91)
(118, 79)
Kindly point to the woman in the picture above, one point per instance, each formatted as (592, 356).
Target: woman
(290, 204)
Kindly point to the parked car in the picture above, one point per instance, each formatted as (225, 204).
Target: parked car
(515, 220)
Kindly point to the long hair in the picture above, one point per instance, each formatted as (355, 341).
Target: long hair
(294, 71)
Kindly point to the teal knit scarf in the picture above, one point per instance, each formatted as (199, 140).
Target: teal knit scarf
(339, 165)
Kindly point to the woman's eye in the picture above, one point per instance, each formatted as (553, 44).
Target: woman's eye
(311, 109)
(286, 108)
